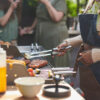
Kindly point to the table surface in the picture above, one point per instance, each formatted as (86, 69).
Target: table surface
(13, 94)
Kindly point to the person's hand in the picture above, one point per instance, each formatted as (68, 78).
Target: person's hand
(25, 30)
(22, 31)
(14, 4)
(86, 58)
(28, 29)
(98, 11)
(60, 51)
(83, 11)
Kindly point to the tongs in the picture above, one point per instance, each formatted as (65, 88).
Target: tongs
(44, 53)
(63, 71)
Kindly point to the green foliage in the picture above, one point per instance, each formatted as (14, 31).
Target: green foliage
(72, 8)
(82, 2)
(32, 3)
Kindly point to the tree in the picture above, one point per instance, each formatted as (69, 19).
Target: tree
(74, 6)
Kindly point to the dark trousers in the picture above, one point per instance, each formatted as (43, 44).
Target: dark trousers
(89, 84)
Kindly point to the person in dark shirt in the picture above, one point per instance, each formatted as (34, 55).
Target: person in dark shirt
(27, 17)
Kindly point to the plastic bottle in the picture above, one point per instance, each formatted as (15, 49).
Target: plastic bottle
(3, 80)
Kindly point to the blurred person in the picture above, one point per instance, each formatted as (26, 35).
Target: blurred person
(93, 7)
(88, 59)
(27, 18)
(8, 21)
(50, 25)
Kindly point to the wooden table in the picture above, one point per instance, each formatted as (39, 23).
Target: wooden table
(13, 94)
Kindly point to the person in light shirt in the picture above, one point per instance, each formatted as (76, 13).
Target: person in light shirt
(88, 58)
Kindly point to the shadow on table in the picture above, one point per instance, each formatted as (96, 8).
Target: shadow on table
(23, 98)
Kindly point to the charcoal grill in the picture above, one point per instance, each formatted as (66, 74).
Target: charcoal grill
(18, 53)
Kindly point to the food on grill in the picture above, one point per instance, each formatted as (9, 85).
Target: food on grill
(1, 42)
(50, 74)
(34, 65)
(26, 61)
(38, 63)
(10, 57)
(37, 71)
(16, 61)
(31, 72)
(13, 61)
(5, 43)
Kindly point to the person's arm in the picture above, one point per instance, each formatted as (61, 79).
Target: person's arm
(34, 23)
(54, 14)
(5, 18)
(90, 56)
(28, 30)
(74, 41)
(96, 54)
(89, 5)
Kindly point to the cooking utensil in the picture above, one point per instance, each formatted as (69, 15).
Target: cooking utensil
(37, 46)
(40, 55)
(56, 90)
(49, 51)
(62, 69)
(44, 53)
(64, 72)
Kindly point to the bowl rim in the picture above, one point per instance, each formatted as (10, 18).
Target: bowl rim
(40, 83)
